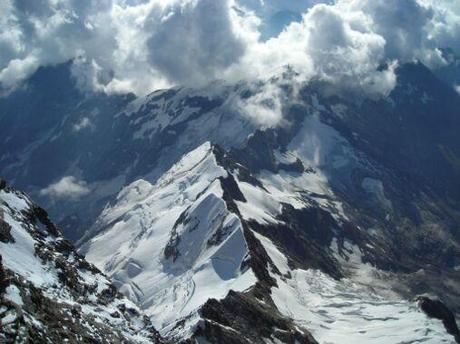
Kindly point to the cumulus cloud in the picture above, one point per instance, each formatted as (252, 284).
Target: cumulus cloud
(275, 15)
(405, 26)
(46, 32)
(400, 23)
(328, 45)
(69, 187)
(264, 106)
(118, 45)
(193, 40)
(443, 30)
(142, 45)
(344, 53)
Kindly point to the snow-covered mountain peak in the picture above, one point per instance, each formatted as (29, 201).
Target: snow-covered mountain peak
(174, 244)
(192, 172)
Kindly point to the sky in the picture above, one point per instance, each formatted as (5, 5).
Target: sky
(142, 45)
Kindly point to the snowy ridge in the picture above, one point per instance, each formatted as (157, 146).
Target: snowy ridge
(49, 292)
(174, 244)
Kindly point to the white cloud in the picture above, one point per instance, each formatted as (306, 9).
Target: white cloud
(264, 107)
(344, 53)
(443, 30)
(68, 187)
(18, 69)
(121, 45)
(193, 40)
(326, 44)
(405, 26)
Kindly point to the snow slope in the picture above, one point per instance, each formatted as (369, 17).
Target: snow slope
(49, 292)
(334, 310)
(174, 244)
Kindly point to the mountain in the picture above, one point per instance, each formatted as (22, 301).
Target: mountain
(105, 141)
(340, 222)
(171, 254)
(175, 244)
(49, 292)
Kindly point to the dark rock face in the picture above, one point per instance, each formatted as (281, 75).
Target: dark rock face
(258, 152)
(39, 214)
(228, 162)
(3, 278)
(171, 250)
(414, 137)
(5, 232)
(305, 236)
(241, 318)
(5, 228)
(297, 166)
(231, 187)
(438, 310)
